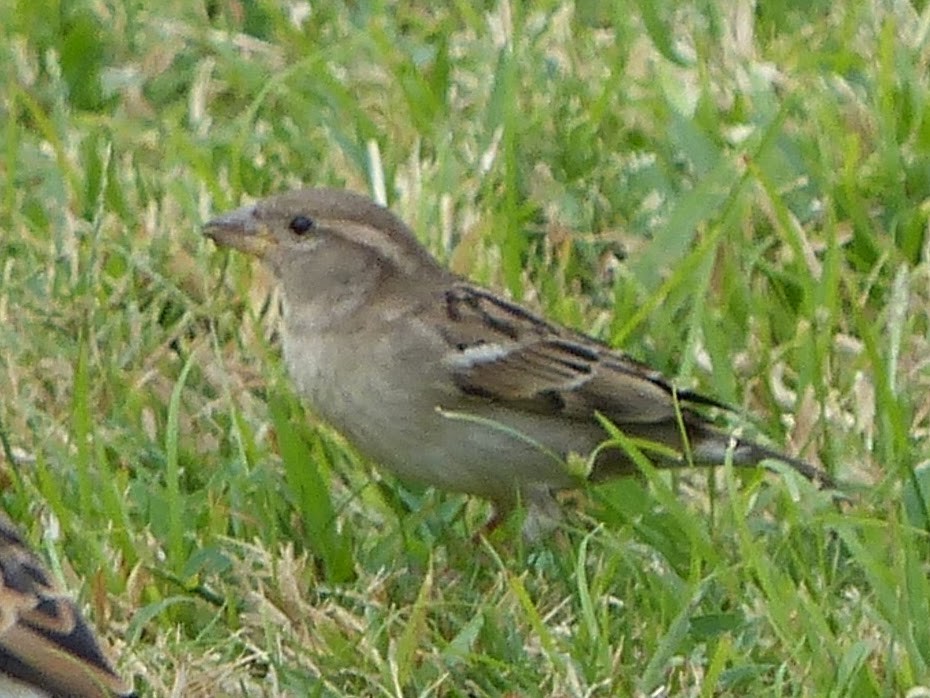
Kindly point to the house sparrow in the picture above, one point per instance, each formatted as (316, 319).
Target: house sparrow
(448, 383)
(46, 647)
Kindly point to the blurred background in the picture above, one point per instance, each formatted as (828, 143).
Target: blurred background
(735, 192)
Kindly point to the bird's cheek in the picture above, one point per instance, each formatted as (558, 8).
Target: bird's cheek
(262, 244)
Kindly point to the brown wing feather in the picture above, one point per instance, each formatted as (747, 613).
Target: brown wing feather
(502, 352)
(44, 639)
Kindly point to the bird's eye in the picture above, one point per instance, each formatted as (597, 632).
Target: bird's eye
(301, 224)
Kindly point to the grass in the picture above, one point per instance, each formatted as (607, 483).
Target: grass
(737, 193)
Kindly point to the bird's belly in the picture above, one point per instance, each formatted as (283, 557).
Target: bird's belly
(487, 454)
(432, 436)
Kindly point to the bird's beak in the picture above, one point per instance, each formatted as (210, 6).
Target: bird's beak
(241, 230)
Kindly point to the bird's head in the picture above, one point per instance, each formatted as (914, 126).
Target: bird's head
(321, 231)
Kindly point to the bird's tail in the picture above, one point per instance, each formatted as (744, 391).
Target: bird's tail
(713, 447)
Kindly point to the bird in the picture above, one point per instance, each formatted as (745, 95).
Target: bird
(448, 383)
(47, 648)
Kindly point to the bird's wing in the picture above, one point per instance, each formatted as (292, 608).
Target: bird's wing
(502, 352)
(44, 640)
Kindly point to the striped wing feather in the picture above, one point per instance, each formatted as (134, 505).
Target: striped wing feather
(502, 352)
(44, 640)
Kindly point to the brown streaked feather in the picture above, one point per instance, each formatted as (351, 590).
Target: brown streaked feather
(44, 640)
(534, 364)
(501, 352)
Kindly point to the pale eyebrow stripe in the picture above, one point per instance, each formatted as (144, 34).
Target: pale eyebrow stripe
(405, 254)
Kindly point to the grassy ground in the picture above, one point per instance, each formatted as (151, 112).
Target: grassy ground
(737, 194)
